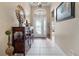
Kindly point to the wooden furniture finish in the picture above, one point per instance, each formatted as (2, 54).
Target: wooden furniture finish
(18, 42)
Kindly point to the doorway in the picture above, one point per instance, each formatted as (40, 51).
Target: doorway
(40, 27)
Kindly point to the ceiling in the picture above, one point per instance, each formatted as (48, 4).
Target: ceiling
(40, 4)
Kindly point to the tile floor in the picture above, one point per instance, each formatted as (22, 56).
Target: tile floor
(44, 47)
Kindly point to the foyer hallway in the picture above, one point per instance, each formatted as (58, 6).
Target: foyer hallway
(44, 47)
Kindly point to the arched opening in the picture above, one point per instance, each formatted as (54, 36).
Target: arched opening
(39, 23)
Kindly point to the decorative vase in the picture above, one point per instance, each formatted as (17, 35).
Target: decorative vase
(9, 50)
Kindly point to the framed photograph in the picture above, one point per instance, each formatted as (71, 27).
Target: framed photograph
(65, 11)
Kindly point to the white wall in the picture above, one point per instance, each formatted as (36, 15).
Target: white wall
(67, 33)
(7, 20)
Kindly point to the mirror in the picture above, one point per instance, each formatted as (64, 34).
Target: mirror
(20, 14)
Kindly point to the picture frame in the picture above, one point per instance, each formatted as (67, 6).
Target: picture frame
(65, 11)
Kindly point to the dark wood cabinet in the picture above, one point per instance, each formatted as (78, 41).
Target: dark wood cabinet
(18, 39)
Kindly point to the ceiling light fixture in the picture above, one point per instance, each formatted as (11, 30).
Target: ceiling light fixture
(39, 4)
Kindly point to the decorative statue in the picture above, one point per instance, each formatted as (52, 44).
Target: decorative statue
(20, 14)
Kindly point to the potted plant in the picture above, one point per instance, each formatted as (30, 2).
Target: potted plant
(8, 33)
(9, 50)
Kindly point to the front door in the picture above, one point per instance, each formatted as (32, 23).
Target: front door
(39, 23)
